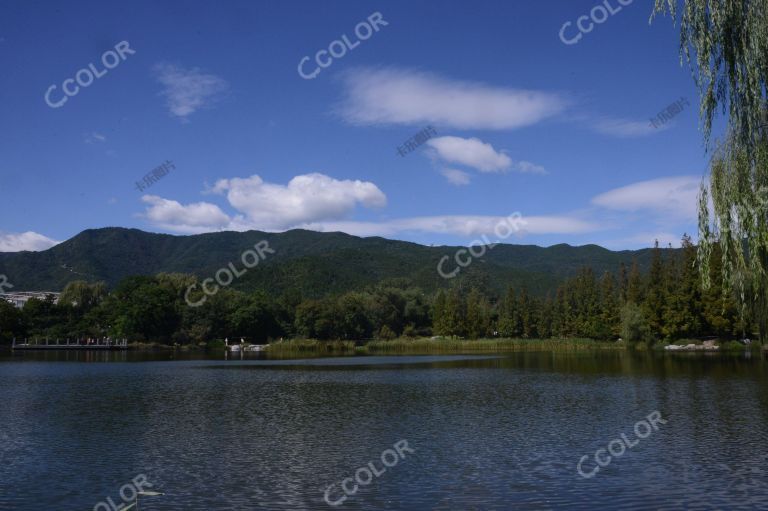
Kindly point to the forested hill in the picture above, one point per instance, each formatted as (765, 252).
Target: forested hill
(314, 263)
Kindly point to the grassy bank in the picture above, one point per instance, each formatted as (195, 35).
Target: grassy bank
(435, 346)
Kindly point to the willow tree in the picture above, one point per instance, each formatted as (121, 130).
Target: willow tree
(725, 42)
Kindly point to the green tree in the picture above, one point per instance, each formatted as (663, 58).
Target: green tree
(634, 324)
(509, 319)
(142, 309)
(726, 44)
(683, 312)
(440, 314)
(81, 294)
(623, 283)
(254, 319)
(635, 291)
(561, 318)
(11, 323)
(609, 326)
(355, 316)
(544, 320)
(527, 308)
(655, 292)
(455, 314)
(477, 315)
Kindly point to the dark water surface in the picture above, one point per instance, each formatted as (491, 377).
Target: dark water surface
(489, 433)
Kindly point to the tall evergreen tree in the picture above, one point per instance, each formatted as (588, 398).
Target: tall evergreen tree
(655, 295)
(477, 315)
(508, 315)
(440, 314)
(635, 287)
(609, 300)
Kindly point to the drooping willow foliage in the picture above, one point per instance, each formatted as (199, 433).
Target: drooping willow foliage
(726, 44)
(738, 187)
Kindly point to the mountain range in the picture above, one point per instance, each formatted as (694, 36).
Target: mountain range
(314, 263)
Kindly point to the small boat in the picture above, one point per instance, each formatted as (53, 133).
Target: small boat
(255, 347)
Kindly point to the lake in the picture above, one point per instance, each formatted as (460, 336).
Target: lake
(481, 432)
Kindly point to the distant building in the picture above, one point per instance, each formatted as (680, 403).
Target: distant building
(19, 299)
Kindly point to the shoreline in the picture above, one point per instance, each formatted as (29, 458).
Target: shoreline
(436, 346)
(465, 346)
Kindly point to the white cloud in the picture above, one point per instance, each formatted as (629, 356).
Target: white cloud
(456, 177)
(673, 197)
(625, 128)
(93, 137)
(395, 96)
(189, 219)
(471, 152)
(187, 90)
(306, 198)
(461, 225)
(267, 206)
(29, 240)
(476, 154)
(645, 240)
(528, 167)
(318, 202)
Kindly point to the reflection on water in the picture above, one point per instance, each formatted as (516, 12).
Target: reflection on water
(501, 432)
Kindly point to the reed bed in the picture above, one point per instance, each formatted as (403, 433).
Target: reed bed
(435, 346)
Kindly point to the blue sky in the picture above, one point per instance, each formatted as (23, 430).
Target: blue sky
(522, 122)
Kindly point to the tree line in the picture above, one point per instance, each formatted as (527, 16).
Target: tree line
(666, 303)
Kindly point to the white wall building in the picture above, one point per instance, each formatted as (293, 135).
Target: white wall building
(19, 299)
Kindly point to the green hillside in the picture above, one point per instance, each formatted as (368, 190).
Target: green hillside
(311, 262)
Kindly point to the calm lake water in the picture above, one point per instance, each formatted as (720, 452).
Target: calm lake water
(488, 433)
